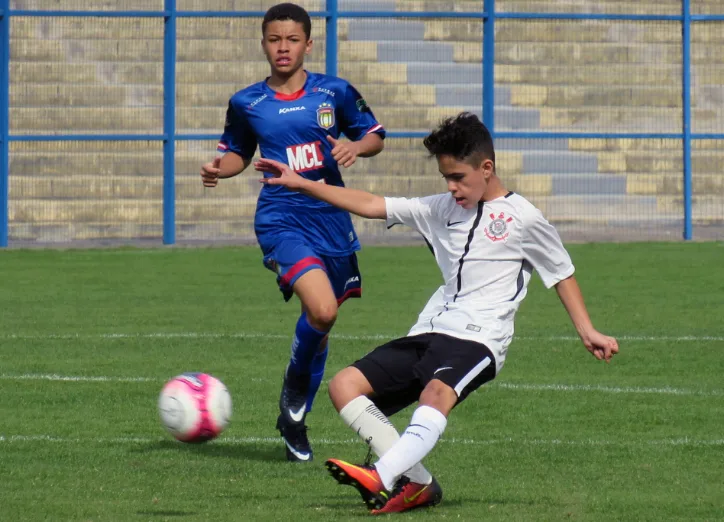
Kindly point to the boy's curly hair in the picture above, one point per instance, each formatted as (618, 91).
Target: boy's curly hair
(463, 137)
(288, 11)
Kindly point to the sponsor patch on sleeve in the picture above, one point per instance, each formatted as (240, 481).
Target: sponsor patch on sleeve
(362, 105)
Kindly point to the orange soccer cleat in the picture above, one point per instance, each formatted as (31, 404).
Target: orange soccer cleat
(410, 495)
(362, 477)
(404, 496)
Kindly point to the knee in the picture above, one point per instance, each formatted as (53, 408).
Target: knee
(439, 395)
(346, 386)
(340, 385)
(323, 316)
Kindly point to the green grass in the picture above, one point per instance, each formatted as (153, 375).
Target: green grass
(558, 436)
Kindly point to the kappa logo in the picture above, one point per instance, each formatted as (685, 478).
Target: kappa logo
(351, 280)
(305, 156)
(287, 110)
(497, 230)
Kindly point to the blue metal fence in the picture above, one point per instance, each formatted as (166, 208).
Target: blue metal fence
(332, 15)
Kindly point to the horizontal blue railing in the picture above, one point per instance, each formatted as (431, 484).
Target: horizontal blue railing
(88, 137)
(332, 14)
(590, 16)
(524, 135)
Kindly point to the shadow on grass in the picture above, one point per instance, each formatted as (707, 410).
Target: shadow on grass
(165, 513)
(353, 506)
(249, 451)
(512, 501)
(351, 510)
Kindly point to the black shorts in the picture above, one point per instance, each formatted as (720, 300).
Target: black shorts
(400, 369)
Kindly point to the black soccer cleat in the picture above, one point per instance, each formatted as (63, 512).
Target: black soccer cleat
(293, 399)
(296, 441)
(292, 412)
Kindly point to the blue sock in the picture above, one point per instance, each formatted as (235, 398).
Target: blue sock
(318, 364)
(304, 346)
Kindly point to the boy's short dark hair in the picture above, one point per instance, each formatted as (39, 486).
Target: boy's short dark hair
(288, 11)
(463, 137)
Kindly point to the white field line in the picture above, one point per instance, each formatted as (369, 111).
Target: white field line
(88, 378)
(73, 378)
(347, 337)
(609, 389)
(236, 441)
(503, 385)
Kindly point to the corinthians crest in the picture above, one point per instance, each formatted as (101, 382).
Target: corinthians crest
(497, 230)
(325, 116)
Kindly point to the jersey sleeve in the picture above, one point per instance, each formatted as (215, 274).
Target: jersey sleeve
(238, 135)
(544, 250)
(418, 213)
(355, 116)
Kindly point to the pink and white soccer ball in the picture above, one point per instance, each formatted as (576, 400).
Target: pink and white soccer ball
(194, 407)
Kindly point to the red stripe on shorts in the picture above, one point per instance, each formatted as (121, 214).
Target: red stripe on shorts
(298, 267)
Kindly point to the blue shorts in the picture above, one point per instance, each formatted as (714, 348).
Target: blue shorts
(292, 258)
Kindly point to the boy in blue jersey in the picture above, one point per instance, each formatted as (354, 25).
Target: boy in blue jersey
(297, 117)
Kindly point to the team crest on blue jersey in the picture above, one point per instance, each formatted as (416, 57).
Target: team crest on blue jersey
(325, 116)
(497, 230)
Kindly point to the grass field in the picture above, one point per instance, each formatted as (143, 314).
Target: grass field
(88, 337)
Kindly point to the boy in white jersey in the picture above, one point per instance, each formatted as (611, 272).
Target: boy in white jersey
(487, 241)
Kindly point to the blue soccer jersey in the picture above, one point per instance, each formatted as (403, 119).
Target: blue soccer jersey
(293, 129)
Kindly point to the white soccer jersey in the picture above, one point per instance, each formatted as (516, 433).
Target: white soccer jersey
(487, 256)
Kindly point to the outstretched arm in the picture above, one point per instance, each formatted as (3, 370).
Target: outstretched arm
(358, 202)
(601, 346)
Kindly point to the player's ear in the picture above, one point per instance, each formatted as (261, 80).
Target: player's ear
(488, 168)
(310, 43)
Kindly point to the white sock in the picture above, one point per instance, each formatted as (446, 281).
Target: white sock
(377, 431)
(420, 437)
(370, 424)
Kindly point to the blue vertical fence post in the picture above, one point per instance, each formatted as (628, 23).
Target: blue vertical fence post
(686, 102)
(489, 66)
(169, 123)
(331, 39)
(4, 118)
